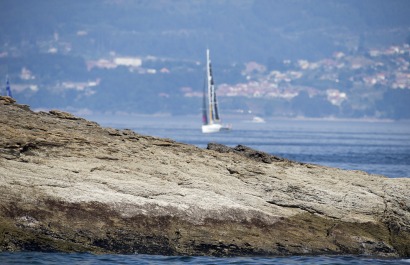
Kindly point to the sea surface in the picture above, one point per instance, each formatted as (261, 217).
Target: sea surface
(377, 147)
(38, 258)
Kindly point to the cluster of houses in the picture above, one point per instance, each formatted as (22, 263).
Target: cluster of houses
(383, 67)
(387, 67)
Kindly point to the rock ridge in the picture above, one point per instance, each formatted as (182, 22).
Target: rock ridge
(68, 184)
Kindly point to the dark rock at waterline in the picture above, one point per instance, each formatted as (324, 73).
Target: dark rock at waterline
(246, 152)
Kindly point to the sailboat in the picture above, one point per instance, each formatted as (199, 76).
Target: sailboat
(210, 114)
(8, 90)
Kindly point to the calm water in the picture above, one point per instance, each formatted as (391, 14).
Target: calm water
(374, 147)
(37, 258)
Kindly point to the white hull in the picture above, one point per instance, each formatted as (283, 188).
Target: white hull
(213, 128)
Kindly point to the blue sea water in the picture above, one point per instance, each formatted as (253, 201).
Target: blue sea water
(39, 258)
(375, 147)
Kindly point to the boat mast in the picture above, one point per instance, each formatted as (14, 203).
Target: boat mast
(209, 80)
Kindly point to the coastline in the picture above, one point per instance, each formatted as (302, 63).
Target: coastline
(97, 115)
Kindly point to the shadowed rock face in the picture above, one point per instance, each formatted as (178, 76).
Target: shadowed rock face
(67, 184)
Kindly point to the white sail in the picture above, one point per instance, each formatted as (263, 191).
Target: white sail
(210, 116)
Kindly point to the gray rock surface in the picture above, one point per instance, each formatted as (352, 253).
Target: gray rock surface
(67, 184)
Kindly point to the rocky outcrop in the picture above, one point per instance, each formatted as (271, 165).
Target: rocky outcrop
(67, 184)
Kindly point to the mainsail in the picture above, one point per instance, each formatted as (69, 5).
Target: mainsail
(204, 108)
(210, 112)
(213, 103)
(216, 108)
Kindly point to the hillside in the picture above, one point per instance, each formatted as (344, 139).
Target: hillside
(73, 55)
(237, 31)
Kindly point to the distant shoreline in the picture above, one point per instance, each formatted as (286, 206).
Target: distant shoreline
(228, 118)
